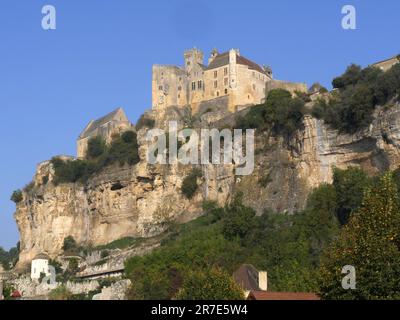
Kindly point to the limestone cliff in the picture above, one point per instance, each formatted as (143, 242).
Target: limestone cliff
(141, 200)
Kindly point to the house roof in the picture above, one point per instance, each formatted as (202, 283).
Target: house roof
(222, 59)
(93, 125)
(42, 256)
(247, 277)
(267, 295)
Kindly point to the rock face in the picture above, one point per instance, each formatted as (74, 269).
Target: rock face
(142, 200)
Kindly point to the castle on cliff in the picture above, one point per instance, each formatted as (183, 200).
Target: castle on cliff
(228, 74)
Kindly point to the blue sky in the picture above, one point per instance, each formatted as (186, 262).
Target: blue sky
(100, 56)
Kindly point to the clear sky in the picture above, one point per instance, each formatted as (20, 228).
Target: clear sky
(100, 56)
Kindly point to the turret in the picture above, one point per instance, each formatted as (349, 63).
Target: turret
(193, 56)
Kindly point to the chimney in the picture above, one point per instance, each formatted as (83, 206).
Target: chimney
(263, 280)
(214, 53)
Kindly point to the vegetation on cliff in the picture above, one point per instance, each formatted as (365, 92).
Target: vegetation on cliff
(281, 114)
(9, 258)
(122, 150)
(189, 184)
(358, 92)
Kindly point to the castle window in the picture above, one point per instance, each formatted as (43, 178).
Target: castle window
(193, 86)
(225, 71)
(199, 84)
(179, 96)
(215, 74)
(226, 91)
(160, 87)
(226, 81)
(179, 88)
(215, 84)
(217, 93)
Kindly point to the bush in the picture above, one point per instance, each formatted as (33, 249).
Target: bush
(17, 196)
(60, 293)
(145, 122)
(122, 150)
(281, 114)
(214, 284)
(70, 245)
(96, 147)
(189, 184)
(360, 91)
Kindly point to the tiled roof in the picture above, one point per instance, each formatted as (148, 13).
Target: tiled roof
(247, 277)
(267, 295)
(93, 125)
(222, 59)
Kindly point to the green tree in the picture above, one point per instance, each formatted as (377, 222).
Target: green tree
(238, 220)
(371, 243)
(17, 196)
(96, 147)
(189, 184)
(70, 245)
(349, 186)
(214, 284)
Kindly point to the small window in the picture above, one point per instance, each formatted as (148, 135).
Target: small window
(215, 74)
(225, 71)
(217, 93)
(226, 91)
(180, 79)
(193, 86)
(179, 96)
(254, 87)
(160, 87)
(215, 84)
(179, 88)
(188, 63)
(199, 84)
(226, 81)
(248, 96)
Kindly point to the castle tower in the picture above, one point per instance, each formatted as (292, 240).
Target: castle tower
(193, 56)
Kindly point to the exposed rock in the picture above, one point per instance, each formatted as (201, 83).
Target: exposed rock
(141, 200)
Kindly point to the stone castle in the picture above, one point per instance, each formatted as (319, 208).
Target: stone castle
(227, 74)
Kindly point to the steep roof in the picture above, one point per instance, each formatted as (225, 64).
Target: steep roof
(42, 256)
(267, 295)
(247, 277)
(93, 125)
(222, 59)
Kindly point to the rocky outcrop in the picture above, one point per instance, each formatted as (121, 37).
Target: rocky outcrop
(141, 200)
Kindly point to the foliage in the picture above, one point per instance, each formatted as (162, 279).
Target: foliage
(359, 92)
(214, 284)
(122, 243)
(17, 196)
(371, 243)
(9, 258)
(349, 186)
(122, 150)
(287, 246)
(145, 122)
(281, 114)
(239, 220)
(96, 147)
(189, 184)
(60, 293)
(70, 245)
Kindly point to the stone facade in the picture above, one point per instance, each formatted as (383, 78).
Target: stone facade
(106, 127)
(227, 74)
(385, 65)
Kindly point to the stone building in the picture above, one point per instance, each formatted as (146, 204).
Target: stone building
(227, 74)
(113, 123)
(40, 264)
(385, 65)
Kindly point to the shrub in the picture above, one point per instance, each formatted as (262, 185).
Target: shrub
(70, 245)
(360, 91)
(214, 284)
(96, 147)
(189, 184)
(281, 114)
(122, 150)
(60, 293)
(17, 196)
(145, 122)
